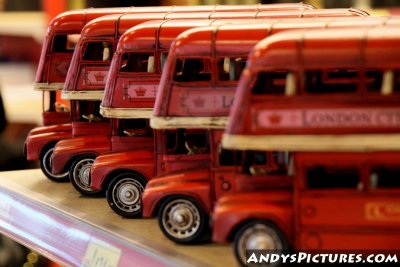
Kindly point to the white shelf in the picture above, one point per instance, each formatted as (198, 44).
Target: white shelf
(59, 223)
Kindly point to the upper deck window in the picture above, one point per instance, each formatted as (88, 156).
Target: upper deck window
(390, 82)
(230, 68)
(163, 59)
(327, 177)
(192, 70)
(65, 43)
(373, 80)
(97, 51)
(383, 177)
(396, 81)
(138, 62)
(270, 83)
(331, 81)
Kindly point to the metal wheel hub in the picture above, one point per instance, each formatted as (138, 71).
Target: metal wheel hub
(128, 194)
(260, 237)
(262, 242)
(81, 173)
(84, 174)
(181, 218)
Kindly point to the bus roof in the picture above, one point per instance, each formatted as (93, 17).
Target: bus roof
(135, 37)
(329, 12)
(119, 23)
(197, 41)
(328, 48)
(145, 35)
(74, 20)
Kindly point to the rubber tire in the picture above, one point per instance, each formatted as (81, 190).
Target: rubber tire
(135, 178)
(45, 166)
(271, 228)
(87, 191)
(202, 233)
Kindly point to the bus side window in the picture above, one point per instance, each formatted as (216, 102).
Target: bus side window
(262, 163)
(382, 177)
(229, 69)
(90, 111)
(229, 157)
(98, 51)
(172, 144)
(390, 82)
(373, 80)
(396, 81)
(65, 43)
(331, 81)
(270, 83)
(321, 177)
(387, 83)
(196, 142)
(134, 127)
(191, 70)
(163, 59)
(138, 62)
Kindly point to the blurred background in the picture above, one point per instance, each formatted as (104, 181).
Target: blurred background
(23, 24)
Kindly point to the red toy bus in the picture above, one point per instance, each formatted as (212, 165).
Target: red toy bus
(57, 49)
(345, 180)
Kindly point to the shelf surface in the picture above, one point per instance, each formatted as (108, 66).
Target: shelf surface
(54, 219)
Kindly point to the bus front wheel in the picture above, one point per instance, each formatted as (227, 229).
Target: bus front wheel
(182, 220)
(258, 235)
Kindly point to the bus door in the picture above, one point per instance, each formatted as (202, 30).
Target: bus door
(225, 165)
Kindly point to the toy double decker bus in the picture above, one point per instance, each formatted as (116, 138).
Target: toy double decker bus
(58, 46)
(345, 168)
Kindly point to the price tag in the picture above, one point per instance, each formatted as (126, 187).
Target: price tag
(101, 254)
